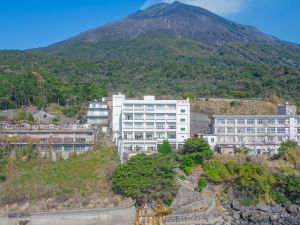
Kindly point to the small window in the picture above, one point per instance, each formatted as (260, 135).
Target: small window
(182, 129)
(182, 110)
(182, 120)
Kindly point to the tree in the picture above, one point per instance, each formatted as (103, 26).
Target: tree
(199, 145)
(285, 147)
(165, 148)
(146, 179)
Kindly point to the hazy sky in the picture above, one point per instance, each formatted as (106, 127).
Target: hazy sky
(34, 23)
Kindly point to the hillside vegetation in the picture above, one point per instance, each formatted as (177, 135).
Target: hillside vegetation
(212, 106)
(31, 183)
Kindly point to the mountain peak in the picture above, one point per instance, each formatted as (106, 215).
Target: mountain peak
(177, 20)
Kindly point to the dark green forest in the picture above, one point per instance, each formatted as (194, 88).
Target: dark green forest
(158, 65)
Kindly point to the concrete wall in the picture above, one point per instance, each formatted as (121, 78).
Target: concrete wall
(113, 216)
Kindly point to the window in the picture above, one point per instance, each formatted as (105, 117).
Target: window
(250, 130)
(138, 136)
(231, 130)
(298, 121)
(80, 140)
(149, 116)
(57, 147)
(171, 107)
(221, 139)
(160, 135)
(261, 139)
(182, 120)
(68, 147)
(251, 139)
(212, 140)
(149, 136)
(220, 121)
(261, 130)
(250, 121)
(138, 116)
(160, 116)
(171, 126)
(221, 130)
(230, 121)
(241, 121)
(281, 121)
(182, 129)
(129, 107)
(160, 126)
(171, 135)
(182, 110)
(281, 130)
(241, 139)
(271, 130)
(150, 125)
(241, 130)
(128, 116)
(171, 116)
(298, 130)
(128, 125)
(160, 107)
(260, 121)
(231, 139)
(80, 148)
(271, 121)
(138, 107)
(149, 107)
(138, 125)
(128, 135)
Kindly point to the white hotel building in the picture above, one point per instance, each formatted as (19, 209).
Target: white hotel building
(261, 134)
(140, 125)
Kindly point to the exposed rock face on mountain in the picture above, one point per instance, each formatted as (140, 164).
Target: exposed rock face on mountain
(177, 20)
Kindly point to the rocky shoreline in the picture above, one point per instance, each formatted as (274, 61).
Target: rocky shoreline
(263, 214)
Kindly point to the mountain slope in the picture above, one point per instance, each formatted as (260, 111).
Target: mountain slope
(167, 49)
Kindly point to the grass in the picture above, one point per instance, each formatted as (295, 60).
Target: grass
(38, 179)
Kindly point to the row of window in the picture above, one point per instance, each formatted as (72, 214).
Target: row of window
(149, 107)
(259, 130)
(160, 126)
(242, 140)
(149, 116)
(253, 121)
(149, 135)
(69, 147)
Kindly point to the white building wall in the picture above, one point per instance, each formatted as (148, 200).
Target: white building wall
(140, 125)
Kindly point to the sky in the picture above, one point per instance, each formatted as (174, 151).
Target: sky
(26, 24)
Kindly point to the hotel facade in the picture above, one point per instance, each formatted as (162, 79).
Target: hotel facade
(139, 126)
(260, 134)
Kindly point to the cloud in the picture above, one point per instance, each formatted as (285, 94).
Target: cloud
(221, 7)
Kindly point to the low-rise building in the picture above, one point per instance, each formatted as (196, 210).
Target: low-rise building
(49, 138)
(260, 134)
(139, 126)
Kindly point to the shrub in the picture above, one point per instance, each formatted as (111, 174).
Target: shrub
(202, 183)
(165, 148)
(146, 179)
(215, 170)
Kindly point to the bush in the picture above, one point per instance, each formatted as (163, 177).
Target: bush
(147, 179)
(165, 148)
(215, 170)
(202, 183)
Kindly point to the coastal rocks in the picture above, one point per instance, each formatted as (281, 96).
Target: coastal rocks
(263, 214)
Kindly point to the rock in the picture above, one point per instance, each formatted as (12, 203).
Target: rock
(274, 217)
(236, 206)
(293, 209)
(236, 215)
(264, 208)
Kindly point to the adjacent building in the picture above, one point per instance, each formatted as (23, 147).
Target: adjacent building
(98, 114)
(49, 138)
(139, 126)
(260, 134)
